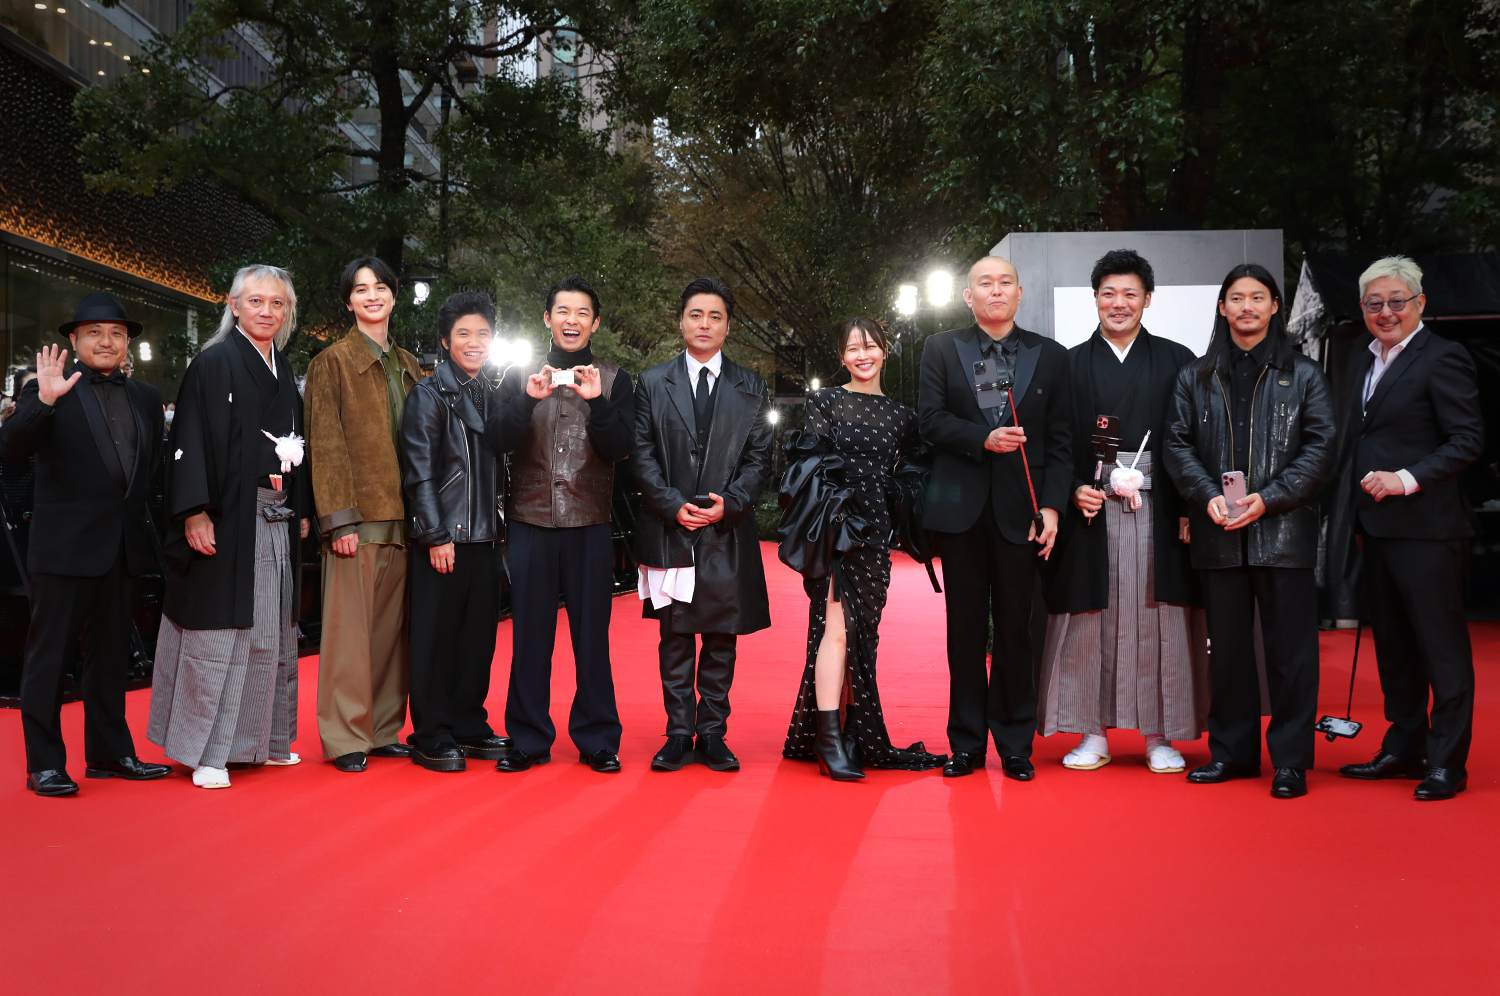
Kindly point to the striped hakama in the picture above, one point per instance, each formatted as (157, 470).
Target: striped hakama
(222, 696)
(1137, 665)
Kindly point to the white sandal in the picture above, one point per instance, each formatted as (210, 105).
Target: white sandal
(1162, 758)
(1090, 754)
(283, 762)
(211, 778)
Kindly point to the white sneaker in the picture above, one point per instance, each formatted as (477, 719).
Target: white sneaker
(1092, 752)
(1163, 758)
(283, 762)
(210, 778)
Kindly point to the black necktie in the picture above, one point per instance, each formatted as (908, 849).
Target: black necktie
(703, 405)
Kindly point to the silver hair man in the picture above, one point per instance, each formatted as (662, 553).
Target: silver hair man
(256, 273)
(1402, 268)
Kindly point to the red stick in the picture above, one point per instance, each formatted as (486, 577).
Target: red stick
(1036, 513)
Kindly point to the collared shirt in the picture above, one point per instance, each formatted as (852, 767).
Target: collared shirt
(473, 387)
(1244, 371)
(110, 390)
(1377, 370)
(714, 364)
(270, 359)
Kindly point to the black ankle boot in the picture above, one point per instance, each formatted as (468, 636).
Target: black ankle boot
(832, 760)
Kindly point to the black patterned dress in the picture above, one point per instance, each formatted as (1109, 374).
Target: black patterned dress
(872, 433)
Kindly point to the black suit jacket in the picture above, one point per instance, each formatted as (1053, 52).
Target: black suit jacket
(1424, 417)
(964, 473)
(86, 503)
(730, 594)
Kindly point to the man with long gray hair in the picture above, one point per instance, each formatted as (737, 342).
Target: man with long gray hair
(237, 493)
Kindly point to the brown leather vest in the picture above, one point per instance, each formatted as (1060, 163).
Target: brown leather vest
(557, 480)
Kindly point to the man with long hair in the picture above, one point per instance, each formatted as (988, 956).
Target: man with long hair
(1253, 406)
(1412, 425)
(225, 688)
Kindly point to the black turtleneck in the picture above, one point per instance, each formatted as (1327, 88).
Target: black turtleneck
(611, 419)
(564, 360)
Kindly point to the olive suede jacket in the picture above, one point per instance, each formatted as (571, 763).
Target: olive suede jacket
(356, 476)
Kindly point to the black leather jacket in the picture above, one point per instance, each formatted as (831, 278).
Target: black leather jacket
(1291, 459)
(448, 500)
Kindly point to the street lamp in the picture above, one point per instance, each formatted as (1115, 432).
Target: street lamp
(939, 287)
(906, 299)
(816, 384)
(419, 292)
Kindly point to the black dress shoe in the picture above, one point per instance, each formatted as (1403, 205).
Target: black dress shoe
(1222, 771)
(962, 763)
(1385, 766)
(490, 748)
(353, 761)
(677, 751)
(518, 760)
(391, 750)
(1289, 783)
(1441, 783)
(601, 760)
(443, 757)
(53, 781)
(130, 768)
(1019, 768)
(714, 752)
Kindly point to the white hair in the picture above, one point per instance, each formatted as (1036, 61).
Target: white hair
(1402, 268)
(259, 271)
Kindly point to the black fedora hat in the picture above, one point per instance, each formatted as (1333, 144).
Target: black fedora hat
(100, 306)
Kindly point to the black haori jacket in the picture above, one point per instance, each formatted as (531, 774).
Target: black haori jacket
(87, 504)
(213, 453)
(730, 580)
(1077, 574)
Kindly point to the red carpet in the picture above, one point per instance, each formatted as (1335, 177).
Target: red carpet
(772, 880)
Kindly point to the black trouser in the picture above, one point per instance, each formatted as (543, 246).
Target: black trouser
(453, 621)
(1288, 600)
(577, 563)
(704, 681)
(62, 608)
(986, 575)
(1416, 590)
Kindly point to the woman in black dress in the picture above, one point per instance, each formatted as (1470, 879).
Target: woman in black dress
(873, 435)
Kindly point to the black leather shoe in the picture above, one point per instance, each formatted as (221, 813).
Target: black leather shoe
(391, 750)
(601, 760)
(714, 752)
(1289, 783)
(1221, 771)
(353, 761)
(518, 760)
(443, 757)
(1441, 783)
(962, 763)
(53, 781)
(490, 748)
(1019, 768)
(130, 768)
(677, 751)
(1385, 766)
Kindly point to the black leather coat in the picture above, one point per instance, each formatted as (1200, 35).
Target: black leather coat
(1291, 459)
(447, 500)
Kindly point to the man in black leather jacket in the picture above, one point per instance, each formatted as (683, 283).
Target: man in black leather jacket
(451, 487)
(1254, 405)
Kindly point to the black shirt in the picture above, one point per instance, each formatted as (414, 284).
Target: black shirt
(110, 390)
(1002, 353)
(1245, 369)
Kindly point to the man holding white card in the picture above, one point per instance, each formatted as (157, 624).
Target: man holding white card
(1252, 421)
(566, 420)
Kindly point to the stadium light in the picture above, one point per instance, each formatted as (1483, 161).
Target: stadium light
(906, 299)
(939, 287)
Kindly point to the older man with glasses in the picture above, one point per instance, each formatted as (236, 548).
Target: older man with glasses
(1413, 423)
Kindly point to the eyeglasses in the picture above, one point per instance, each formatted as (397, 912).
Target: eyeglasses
(1396, 304)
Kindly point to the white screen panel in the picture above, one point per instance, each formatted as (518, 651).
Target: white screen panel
(1182, 313)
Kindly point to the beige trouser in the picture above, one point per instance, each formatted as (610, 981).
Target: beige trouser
(363, 665)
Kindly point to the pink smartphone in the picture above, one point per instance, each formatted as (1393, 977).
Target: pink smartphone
(1234, 490)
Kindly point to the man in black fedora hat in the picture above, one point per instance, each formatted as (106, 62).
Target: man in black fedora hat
(96, 447)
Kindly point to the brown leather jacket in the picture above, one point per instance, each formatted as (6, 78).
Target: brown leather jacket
(558, 480)
(355, 474)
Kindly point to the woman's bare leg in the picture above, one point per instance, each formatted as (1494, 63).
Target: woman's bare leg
(828, 671)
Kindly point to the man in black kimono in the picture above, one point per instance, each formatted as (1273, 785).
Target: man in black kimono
(225, 688)
(702, 454)
(96, 444)
(995, 473)
(1125, 649)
